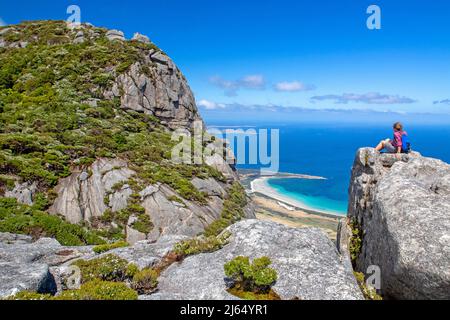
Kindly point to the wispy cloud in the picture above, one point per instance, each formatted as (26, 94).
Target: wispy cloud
(274, 108)
(210, 105)
(231, 87)
(293, 86)
(369, 98)
(445, 101)
(2, 23)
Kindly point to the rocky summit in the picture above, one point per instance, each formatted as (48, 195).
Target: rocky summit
(401, 204)
(308, 264)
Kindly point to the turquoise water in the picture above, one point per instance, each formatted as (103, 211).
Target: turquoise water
(313, 193)
(328, 151)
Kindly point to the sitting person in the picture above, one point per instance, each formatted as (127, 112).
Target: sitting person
(395, 145)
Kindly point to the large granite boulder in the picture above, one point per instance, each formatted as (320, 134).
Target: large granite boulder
(115, 35)
(402, 205)
(307, 262)
(24, 265)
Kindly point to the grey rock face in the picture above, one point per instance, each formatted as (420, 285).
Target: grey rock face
(173, 218)
(24, 265)
(119, 199)
(10, 238)
(79, 37)
(210, 186)
(161, 91)
(81, 198)
(146, 253)
(308, 265)
(115, 35)
(141, 38)
(219, 156)
(23, 192)
(403, 207)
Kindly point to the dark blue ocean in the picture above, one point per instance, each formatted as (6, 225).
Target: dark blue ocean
(328, 151)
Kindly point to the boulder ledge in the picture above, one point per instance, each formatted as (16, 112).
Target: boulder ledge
(402, 206)
(307, 262)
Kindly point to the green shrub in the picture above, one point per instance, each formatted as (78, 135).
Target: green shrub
(23, 219)
(175, 199)
(100, 290)
(368, 292)
(254, 277)
(29, 295)
(143, 223)
(145, 281)
(7, 182)
(201, 245)
(107, 247)
(131, 270)
(355, 245)
(107, 268)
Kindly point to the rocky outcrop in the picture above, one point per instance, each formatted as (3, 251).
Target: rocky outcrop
(79, 38)
(115, 35)
(24, 265)
(170, 217)
(402, 205)
(307, 263)
(141, 38)
(147, 254)
(43, 266)
(161, 91)
(23, 192)
(81, 196)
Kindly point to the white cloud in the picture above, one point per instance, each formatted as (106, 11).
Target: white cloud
(446, 101)
(253, 82)
(210, 105)
(369, 98)
(294, 86)
(232, 87)
(2, 23)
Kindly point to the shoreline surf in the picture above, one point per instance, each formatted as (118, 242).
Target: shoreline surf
(260, 185)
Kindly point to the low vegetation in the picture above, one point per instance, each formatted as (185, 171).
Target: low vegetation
(355, 245)
(252, 280)
(93, 290)
(201, 245)
(109, 246)
(106, 268)
(22, 219)
(368, 292)
(145, 281)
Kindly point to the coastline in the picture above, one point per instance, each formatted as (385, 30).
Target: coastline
(260, 185)
(284, 211)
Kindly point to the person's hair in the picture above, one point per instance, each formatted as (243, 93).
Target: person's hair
(398, 126)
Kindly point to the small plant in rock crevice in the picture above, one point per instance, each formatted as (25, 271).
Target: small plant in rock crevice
(355, 241)
(252, 280)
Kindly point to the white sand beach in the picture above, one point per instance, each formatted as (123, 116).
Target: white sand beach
(260, 185)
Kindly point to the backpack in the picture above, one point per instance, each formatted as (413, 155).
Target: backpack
(406, 144)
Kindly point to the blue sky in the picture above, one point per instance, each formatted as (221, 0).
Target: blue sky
(310, 54)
